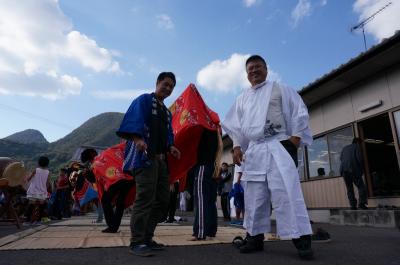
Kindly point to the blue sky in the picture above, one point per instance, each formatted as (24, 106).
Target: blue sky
(63, 62)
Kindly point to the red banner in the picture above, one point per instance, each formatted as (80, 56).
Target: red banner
(107, 167)
(190, 115)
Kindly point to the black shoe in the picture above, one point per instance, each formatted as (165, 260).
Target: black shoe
(321, 236)
(141, 250)
(238, 241)
(109, 230)
(252, 244)
(153, 245)
(353, 208)
(363, 207)
(303, 245)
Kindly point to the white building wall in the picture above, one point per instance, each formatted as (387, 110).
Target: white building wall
(316, 120)
(338, 111)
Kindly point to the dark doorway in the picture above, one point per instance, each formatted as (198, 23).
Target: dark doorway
(383, 169)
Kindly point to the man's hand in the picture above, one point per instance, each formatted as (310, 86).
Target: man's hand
(295, 140)
(175, 152)
(237, 155)
(140, 144)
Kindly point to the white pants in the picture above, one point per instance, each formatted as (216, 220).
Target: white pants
(291, 214)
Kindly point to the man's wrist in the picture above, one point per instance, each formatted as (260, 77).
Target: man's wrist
(236, 148)
(295, 140)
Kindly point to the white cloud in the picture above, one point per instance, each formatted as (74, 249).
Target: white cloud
(165, 22)
(323, 2)
(47, 85)
(36, 38)
(128, 94)
(228, 75)
(249, 3)
(302, 9)
(274, 76)
(384, 24)
(90, 55)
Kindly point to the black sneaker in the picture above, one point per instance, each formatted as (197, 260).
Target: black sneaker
(141, 250)
(153, 245)
(252, 244)
(321, 236)
(238, 241)
(303, 245)
(363, 207)
(109, 230)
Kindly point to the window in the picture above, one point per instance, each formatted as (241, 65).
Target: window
(336, 141)
(301, 167)
(318, 159)
(397, 122)
(324, 153)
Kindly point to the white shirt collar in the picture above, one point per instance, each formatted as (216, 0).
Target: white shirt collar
(259, 85)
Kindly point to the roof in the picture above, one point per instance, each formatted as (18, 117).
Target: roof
(374, 60)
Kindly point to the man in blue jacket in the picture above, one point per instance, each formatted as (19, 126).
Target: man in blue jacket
(148, 130)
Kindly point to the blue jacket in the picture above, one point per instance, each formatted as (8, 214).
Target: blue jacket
(137, 121)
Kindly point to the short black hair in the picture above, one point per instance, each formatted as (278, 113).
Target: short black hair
(164, 75)
(88, 155)
(256, 58)
(224, 163)
(43, 161)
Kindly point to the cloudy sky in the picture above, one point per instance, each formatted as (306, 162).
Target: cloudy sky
(63, 62)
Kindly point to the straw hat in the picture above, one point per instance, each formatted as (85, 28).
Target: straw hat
(15, 173)
(4, 162)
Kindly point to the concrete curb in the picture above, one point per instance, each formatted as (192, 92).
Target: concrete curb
(17, 236)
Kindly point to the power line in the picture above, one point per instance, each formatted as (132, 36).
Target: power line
(37, 117)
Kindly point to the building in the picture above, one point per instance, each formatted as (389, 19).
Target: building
(361, 98)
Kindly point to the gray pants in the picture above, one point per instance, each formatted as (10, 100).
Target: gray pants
(151, 202)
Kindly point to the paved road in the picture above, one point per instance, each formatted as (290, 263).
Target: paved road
(350, 246)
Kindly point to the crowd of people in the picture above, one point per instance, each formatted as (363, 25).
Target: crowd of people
(267, 123)
(70, 193)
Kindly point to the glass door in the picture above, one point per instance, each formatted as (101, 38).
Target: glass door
(383, 174)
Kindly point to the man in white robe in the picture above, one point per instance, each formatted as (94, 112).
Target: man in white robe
(267, 123)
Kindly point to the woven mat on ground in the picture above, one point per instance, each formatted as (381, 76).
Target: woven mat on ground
(90, 220)
(67, 237)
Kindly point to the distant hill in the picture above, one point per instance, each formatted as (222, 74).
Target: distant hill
(29, 136)
(97, 131)
(29, 153)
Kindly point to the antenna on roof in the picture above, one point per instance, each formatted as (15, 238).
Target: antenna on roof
(365, 21)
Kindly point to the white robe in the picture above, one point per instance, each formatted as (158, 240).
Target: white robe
(269, 173)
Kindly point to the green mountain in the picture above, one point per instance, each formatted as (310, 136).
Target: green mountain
(29, 136)
(97, 131)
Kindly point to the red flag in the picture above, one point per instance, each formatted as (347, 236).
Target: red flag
(190, 116)
(107, 168)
